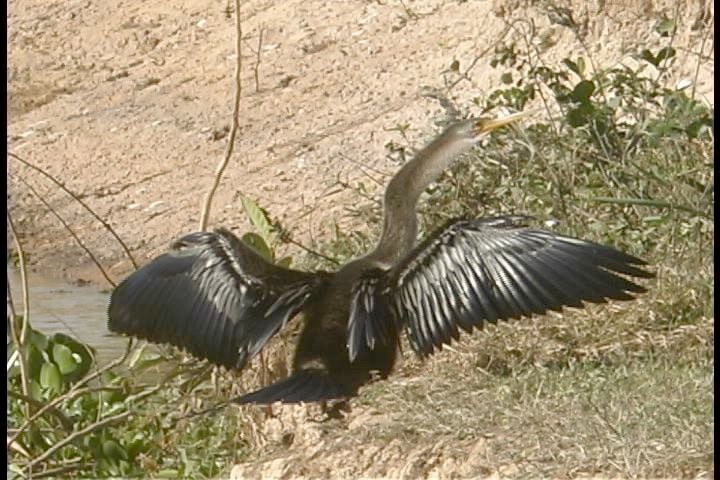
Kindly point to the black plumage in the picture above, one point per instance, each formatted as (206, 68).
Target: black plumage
(213, 296)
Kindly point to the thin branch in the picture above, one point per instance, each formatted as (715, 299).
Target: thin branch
(527, 38)
(21, 338)
(141, 396)
(92, 376)
(233, 129)
(257, 61)
(697, 66)
(76, 435)
(54, 472)
(83, 204)
(67, 227)
(11, 315)
(66, 422)
(285, 236)
(464, 75)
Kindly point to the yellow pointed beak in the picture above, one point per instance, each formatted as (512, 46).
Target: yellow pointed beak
(487, 125)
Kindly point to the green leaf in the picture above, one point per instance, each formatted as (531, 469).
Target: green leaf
(665, 27)
(39, 340)
(135, 443)
(696, 128)
(581, 65)
(665, 54)
(506, 78)
(35, 390)
(63, 357)
(80, 354)
(112, 396)
(284, 262)
(648, 56)
(582, 91)
(35, 361)
(578, 67)
(581, 115)
(113, 451)
(258, 217)
(256, 242)
(109, 377)
(50, 377)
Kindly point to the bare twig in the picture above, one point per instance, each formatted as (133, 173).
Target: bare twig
(10, 305)
(83, 204)
(68, 228)
(527, 38)
(464, 75)
(697, 66)
(604, 419)
(92, 376)
(145, 394)
(257, 61)
(66, 422)
(285, 237)
(10, 321)
(76, 435)
(70, 467)
(234, 126)
(20, 338)
(667, 60)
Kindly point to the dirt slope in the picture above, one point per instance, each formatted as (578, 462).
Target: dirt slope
(129, 103)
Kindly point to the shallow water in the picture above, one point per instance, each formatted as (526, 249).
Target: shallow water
(81, 312)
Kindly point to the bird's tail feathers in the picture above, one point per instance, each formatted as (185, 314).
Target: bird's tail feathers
(310, 385)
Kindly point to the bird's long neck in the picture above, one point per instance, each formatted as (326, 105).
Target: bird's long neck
(403, 192)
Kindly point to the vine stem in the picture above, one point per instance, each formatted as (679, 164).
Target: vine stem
(205, 212)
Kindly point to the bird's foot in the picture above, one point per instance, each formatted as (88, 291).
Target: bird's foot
(335, 409)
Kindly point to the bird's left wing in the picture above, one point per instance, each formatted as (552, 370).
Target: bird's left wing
(211, 295)
(477, 271)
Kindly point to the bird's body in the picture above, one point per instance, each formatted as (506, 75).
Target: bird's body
(323, 341)
(215, 297)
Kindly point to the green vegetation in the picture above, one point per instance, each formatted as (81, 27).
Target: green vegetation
(132, 418)
(621, 390)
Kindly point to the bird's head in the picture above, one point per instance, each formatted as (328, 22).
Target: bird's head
(473, 130)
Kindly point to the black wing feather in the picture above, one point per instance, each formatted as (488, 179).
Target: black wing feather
(212, 296)
(477, 271)
(370, 317)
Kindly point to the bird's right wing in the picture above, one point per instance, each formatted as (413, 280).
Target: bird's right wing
(478, 271)
(212, 296)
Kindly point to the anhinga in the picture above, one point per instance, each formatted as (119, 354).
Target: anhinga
(216, 298)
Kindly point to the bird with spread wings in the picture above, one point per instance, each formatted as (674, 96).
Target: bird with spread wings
(215, 297)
